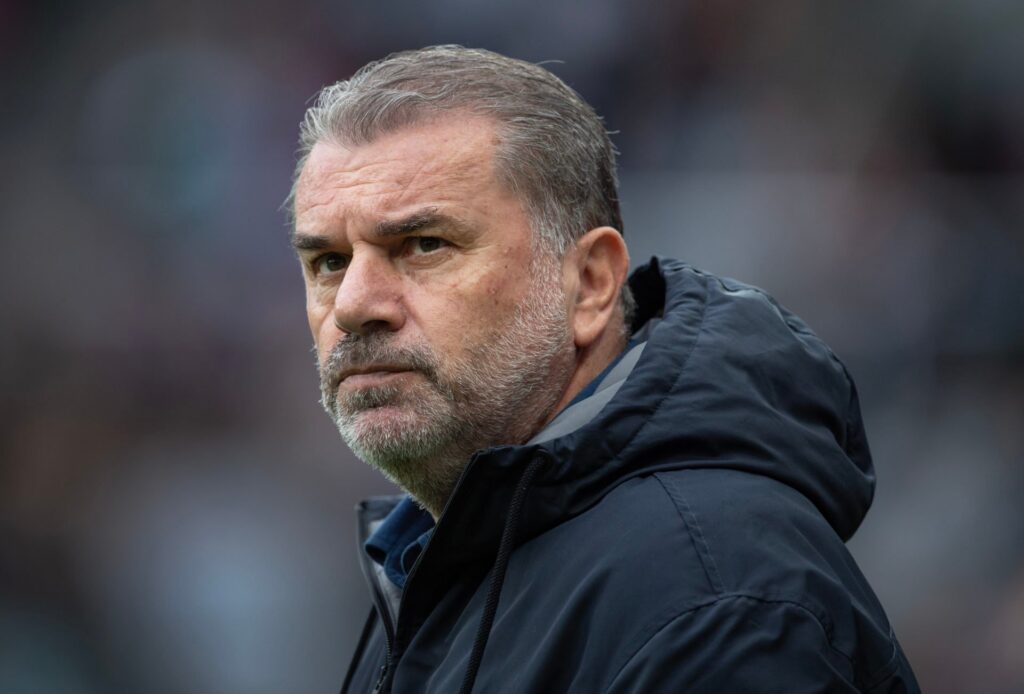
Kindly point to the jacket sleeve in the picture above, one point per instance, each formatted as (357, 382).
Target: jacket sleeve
(741, 644)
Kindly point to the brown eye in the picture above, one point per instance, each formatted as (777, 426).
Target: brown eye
(329, 263)
(420, 245)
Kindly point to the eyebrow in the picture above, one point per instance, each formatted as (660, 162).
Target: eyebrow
(309, 242)
(426, 218)
(417, 221)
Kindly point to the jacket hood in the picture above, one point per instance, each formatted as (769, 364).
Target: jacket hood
(727, 379)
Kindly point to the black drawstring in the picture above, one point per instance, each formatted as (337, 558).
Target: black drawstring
(508, 535)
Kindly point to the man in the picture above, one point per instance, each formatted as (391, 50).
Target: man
(602, 497)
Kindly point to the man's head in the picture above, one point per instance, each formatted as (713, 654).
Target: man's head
(553, 151)
(456, 215)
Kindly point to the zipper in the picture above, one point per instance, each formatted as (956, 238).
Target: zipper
(381, 604)
(380, 680)
(389, 637)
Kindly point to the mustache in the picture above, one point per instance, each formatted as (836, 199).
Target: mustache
(361, 351)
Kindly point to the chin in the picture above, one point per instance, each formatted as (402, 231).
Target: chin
(382, 424)
(395, 432)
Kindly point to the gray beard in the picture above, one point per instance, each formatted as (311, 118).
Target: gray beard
(500, 392)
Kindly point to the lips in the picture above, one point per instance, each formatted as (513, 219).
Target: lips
(357, 357)
(368, 375)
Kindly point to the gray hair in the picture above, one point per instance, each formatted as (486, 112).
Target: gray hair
(554, 151)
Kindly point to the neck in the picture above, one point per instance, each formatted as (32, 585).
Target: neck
(590, 362)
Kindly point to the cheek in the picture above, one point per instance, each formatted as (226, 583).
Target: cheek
(492, 305)
(508, 287)
(315, 316)
(321, 328)
(471, 306)
(454, 314)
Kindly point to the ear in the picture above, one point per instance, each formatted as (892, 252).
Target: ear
(600, 268)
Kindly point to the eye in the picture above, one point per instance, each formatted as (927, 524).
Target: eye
(421, 245)
(329, 263)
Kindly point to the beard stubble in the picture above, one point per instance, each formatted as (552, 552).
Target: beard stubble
(421, 434)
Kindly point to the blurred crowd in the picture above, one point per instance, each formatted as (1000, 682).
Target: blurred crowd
(175, 509)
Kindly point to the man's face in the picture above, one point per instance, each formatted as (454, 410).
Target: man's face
(438, 331)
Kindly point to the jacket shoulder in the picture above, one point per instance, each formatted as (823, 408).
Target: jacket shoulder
(680, 568)
(741, 644)
(767, 551)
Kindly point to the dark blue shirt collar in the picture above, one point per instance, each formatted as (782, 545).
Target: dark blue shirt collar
(398, 541)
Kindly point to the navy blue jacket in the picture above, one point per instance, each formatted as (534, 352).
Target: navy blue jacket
(686, 537)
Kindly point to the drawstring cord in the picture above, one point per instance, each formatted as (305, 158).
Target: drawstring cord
(508, 536)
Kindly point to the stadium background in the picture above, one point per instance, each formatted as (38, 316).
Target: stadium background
(176, 511)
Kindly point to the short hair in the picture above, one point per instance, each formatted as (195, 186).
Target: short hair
(553, 153)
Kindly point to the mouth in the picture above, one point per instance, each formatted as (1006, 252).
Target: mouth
(370, 375)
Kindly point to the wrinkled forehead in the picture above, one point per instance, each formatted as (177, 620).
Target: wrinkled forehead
(453, 158)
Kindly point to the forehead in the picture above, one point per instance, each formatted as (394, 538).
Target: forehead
(444, 161)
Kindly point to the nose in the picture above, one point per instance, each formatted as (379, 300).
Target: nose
(369, 298)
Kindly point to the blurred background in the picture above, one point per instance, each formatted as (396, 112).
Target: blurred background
(175, 509)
